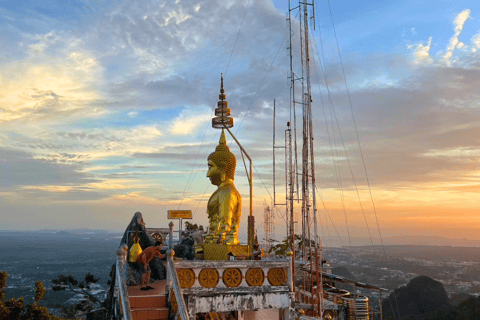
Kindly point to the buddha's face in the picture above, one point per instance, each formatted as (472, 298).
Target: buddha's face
(214, 173)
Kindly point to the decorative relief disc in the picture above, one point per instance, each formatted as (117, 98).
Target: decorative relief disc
(208, 278)
(277, 276)
(173, 302)
(186, 277)
(232, 277)
(157, 236)
(254, 277)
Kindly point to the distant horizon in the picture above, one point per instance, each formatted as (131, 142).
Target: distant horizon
(356, 241)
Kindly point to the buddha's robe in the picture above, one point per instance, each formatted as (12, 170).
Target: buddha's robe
(224, 211)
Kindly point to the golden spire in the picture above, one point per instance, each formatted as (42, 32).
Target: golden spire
(222, 138)
(222, 112)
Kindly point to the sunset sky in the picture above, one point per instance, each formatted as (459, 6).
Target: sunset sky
(106, 107)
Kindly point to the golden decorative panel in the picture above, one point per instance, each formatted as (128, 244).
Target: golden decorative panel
(277, 276)
(186, 277)
(208, 278)
(215, 251)
(254, 277)
(239, 250)
(232, 277)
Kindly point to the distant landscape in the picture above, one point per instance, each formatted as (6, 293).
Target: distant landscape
(43, 255)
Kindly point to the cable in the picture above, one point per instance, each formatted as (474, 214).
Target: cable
(356, 130)
(259, 87)
(359, 144)
(345, 149)
(336, 164)
(238, 33)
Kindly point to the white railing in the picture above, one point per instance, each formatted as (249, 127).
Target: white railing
(177, 290)
(121, 284)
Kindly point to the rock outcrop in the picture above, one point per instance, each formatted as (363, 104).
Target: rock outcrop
(420, 297)
(135, 270)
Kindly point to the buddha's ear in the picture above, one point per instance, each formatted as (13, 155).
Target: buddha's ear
(222, 176)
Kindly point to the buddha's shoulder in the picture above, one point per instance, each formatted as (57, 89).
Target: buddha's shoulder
(227, 189)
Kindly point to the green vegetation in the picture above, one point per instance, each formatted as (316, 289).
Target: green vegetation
(16, 309)
(63, 283)
(281, 248)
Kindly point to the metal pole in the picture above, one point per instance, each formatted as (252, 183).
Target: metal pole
(170, 246)
(251, 218)
(273, 150)
(170, 235)
(251, 170)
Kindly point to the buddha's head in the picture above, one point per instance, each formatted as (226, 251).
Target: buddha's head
(221, 163)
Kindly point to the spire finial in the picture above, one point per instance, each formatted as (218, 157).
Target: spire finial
(222, 139)
(221, 87)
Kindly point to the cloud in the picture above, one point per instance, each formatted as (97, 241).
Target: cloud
(459, 22)
(476, 42)
(137, 197)
(422, 53)
(408, 131)
(160, 39)
(189, 120)
(21, 169)
(36, 91)
(80, 146)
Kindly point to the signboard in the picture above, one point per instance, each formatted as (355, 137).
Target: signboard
(179, 214)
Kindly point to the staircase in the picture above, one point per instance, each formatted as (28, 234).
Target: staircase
(150, 304)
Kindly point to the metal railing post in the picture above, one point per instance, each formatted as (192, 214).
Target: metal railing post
(177, 289)
(289, 314)
(168, 285)
(120, 279)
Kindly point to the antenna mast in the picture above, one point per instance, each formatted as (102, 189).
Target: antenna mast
(309, 205)
(269, 225)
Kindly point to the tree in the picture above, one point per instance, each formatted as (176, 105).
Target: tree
(69, 282)
(281, 248)
(15, 309)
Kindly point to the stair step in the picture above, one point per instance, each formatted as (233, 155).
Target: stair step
(150, 314)
(144, 302)
(159, 288)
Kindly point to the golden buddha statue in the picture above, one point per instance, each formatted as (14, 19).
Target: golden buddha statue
(225, 205)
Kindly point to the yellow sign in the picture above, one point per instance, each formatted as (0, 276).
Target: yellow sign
(179, 214)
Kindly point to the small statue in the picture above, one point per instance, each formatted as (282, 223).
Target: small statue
(225, 205)
(136, 248)
(257, 252)
(145, 257)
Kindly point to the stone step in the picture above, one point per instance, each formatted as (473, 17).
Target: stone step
(144, 302)
(150, 314)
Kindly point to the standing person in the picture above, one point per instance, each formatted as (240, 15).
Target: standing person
(145, 257)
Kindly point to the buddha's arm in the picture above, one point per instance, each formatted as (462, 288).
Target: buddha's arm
(228, 204)
(237, 212)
